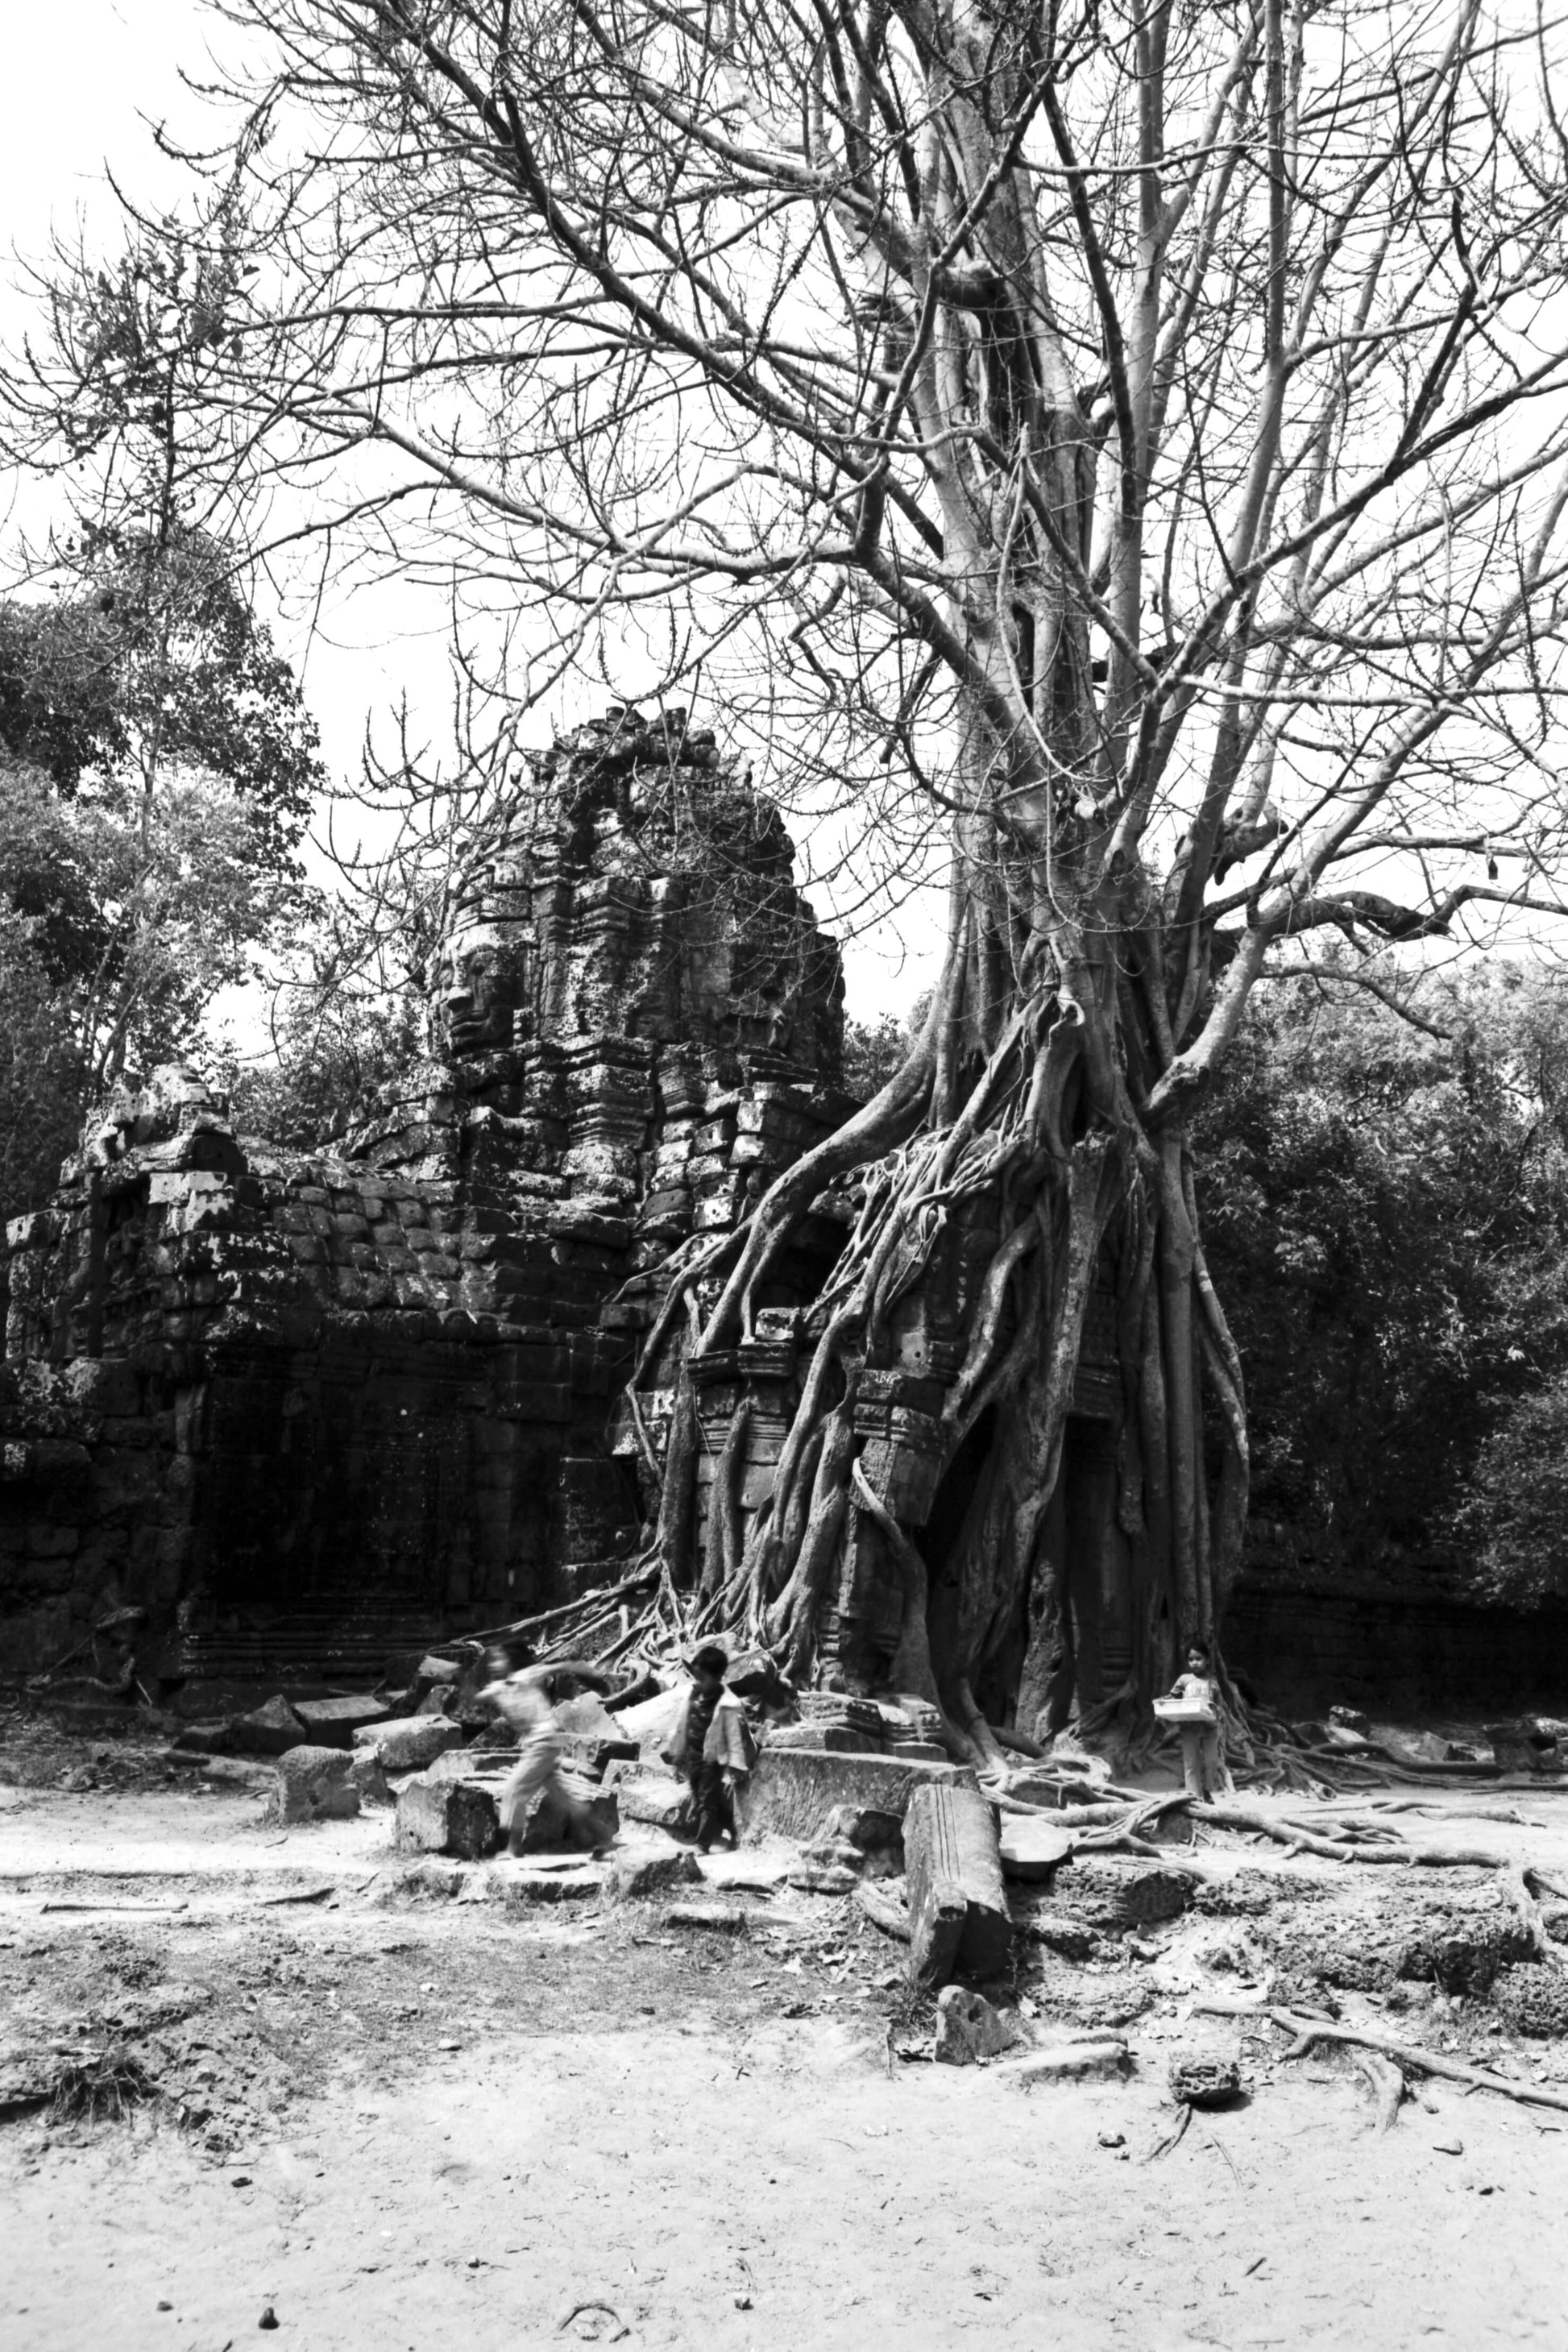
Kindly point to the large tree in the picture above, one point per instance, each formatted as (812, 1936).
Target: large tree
(157, 764)
(1129, 438)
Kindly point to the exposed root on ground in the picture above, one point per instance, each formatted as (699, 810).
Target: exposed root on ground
(1408, 2056)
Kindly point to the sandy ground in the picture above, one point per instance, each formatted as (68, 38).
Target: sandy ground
(437, 2123)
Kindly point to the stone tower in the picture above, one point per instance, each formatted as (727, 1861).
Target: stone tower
(300, 1407)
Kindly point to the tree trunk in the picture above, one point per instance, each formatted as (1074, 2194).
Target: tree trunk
(995, 1478)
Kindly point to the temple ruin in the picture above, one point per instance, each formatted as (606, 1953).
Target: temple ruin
(303, 1407)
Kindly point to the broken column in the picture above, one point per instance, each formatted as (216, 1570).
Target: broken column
(958, 1920)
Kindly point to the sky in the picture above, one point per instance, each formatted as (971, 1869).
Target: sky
(55, 160)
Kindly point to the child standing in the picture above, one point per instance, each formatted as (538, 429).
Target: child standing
(1200, 1742)
(713, 1748)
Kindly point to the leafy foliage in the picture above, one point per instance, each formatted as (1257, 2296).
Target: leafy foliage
(1387, 1217)
(335, 1046)
(157, 762)
(42, 1076)
(872, 1052)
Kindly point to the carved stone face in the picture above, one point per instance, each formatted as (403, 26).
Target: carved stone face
(480, 981)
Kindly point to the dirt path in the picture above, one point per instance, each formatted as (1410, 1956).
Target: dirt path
(780, 2190)
(432, 2124)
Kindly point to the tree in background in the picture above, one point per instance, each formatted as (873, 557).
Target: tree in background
(158, 764)
(1124, 446)
(1386, 1204)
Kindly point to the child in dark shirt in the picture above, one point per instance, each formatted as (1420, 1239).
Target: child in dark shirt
(716, 1748)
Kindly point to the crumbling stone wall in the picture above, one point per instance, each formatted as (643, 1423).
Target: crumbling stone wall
(314, 1403)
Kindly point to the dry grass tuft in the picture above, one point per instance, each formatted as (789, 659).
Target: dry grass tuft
(104, 2089)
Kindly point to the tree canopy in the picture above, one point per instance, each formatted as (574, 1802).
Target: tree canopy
(157, 765)
(1387, 1209)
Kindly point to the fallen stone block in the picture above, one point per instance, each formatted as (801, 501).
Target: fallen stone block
(369, 1780)
(550, 1824)
(441, 1816)
(201, 1738)
(268, 1730)
(871, 1830)
(588, 1718)
(795, 1791)
(752, 1673)
(1108, 2061)
(432, 1669)
(1032, 1851)
(891, 1917)
(835, 1853)
(836, 1738)
(1067, 1937)
(720, 1919)
(410, 1742)
(969, 2028)
(332, 1722)
(821, 1879)
(1110, 1894)
(664, 1804)
(652, 1721)
(638, 1877)
(521, 1887)
(958, 1905)
(1522, 1745)
(474, 1763)
(938, 1914)
(588, 1754)
(314, 1784)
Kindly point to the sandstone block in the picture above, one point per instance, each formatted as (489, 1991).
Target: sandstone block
(369, 1780)
(821, 1879)
(332, 1722)
(551, 1826)
(1111, 1896)
(835, 1738)
(588, 1718)
(636, 1878)
(314, 1784)
(440, 1816)
(408, 1743)
(267, 1731)
(1524, 1745)
(968, 2028)
(1075, 2061)
(201, 1738)
(1066, 1937)
(955, 1875)
(795, 1791)
(662, 1803)
(1032, 1851)
(651, 1721)
(865, 1826)
(521, 1887)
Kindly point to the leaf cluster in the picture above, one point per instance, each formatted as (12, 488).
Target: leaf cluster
(1387, 1217)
